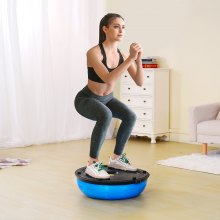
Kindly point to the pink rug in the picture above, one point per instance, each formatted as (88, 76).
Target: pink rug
(8, 162)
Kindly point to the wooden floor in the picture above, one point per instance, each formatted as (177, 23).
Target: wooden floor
(46, 188)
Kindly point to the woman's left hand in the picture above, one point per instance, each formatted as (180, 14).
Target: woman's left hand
(140, 50)
(139, 55)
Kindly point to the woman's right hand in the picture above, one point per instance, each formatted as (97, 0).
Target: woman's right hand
(135, 48)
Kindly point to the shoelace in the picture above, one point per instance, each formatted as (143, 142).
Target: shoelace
(99, 166)
(124, 159)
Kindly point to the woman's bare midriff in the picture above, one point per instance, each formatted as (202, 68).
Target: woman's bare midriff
(100, 89)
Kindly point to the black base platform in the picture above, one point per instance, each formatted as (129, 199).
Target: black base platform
(117, 177)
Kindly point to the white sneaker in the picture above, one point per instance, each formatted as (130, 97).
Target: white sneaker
(96, 170)
(121, 163)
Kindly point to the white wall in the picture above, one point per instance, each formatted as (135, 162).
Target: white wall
(185, 34)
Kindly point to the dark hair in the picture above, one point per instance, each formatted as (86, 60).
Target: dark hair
(106, 20)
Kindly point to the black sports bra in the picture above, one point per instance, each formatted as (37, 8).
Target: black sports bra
(92, 75)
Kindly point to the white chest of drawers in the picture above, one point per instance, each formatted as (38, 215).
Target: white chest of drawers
(150, 102)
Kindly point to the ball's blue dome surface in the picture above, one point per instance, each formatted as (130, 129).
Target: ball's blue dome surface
(121, 185)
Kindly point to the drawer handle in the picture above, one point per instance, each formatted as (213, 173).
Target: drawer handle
(144, 113)
(145, 101)
(144, 126)
(129, 100)
(129, 88)
(144, 88)
(126, 76)
(148, 76)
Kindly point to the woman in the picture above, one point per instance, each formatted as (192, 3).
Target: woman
(106, 64)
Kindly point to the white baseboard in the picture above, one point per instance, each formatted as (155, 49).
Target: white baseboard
(179, 137)
(176, 137)
(184, 138)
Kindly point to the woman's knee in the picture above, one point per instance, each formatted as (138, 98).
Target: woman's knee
(131, 117)
(105, 116)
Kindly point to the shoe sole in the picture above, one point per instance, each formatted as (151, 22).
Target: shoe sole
(97, 177)
(132, 171)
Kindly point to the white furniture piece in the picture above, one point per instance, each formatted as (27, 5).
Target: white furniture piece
(204, 121)
(150, 102)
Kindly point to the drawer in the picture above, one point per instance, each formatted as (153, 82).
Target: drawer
(134, 89)
(148, 76)
(143, 126)
(143, 113)
(126, 78)
(138, 101)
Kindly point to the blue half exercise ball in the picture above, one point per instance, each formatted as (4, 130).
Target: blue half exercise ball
(121, 185)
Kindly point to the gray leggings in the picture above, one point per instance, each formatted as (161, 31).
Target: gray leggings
(101, 109)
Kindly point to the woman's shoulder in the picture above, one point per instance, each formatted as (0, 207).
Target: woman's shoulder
(94, 49)
(94, 53)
